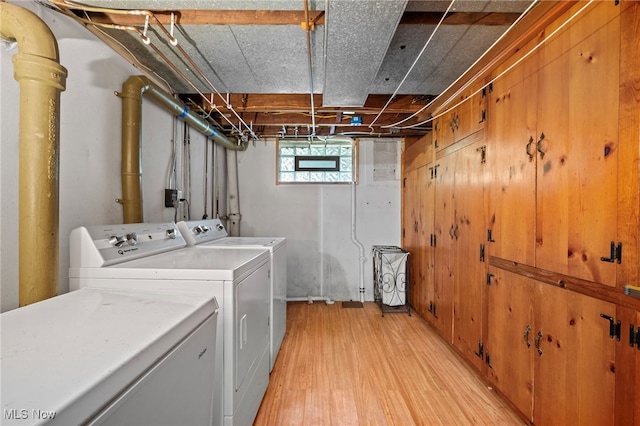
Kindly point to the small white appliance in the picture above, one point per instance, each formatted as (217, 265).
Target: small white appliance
(153, 257)
(107, 357)
(212, 234)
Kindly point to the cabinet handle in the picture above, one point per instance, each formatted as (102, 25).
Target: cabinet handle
(537, 342)
(540, 146)
(455, 232)
(530, 151)
(526, 335)
(451, 232)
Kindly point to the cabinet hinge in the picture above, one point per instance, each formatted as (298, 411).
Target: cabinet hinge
(490, 87)
(483, 154)
(404, 182)
(489, 278)
(481, 252)
(484, 92)
(483, 116)
(614, 326)
(432, 240)
(490, 237)
(432, 309)
(480, 353)
(487, 360)
(634, 337)
(615, 254)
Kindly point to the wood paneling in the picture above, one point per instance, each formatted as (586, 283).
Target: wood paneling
(554, 206)
(353, 366)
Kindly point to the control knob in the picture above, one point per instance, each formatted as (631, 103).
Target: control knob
(132, 239)
(117, 240)
(171, 234)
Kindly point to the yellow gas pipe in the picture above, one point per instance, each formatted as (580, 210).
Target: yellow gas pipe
(131, 95)
(41, 78)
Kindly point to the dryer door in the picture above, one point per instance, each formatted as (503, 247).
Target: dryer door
(252, 324)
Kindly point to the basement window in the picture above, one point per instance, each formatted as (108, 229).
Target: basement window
(322, 161)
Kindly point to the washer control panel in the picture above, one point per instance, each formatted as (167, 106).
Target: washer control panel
(202, 231)
(103, 245)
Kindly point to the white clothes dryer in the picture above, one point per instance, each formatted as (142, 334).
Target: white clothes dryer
(107, 357)
(212, 234)
(153, 257)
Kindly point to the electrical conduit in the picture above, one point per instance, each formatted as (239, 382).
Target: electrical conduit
(131, 95)
(41, 79)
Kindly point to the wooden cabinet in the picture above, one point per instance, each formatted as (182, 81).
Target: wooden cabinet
(553, 202)
(469, 238)
(466, 116)
(550, 350)
(442, 307)
(577, 143)
(555, 122)
(418, 212)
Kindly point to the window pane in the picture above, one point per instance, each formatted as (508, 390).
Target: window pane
(302, 150)
(332, 176)
(345, 164)
(287, 150)
(333, 150)
(317, 150)
(317, 176)
(345, 150)
(302, 177)
(286, 177)
(345, 177)
(287, 164)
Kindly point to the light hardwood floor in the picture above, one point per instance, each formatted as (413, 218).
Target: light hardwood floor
(351, 366)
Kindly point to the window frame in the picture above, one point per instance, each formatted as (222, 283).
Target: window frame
(343, 141)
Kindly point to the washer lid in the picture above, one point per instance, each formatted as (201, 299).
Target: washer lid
(71, 354)
(266, 242)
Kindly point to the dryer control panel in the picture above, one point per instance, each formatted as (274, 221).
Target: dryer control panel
(103, 245)
(202, 231)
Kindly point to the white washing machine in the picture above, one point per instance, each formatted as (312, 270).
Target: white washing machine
(211, 233)
(152, 257)
(107, 357)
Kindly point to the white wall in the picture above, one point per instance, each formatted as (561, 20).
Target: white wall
(316, 220)
(89, 147)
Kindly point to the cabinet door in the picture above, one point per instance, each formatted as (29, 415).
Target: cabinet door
(444, 253)
(427, 213)
(577, 140)
(469, 233)
(510, 339)
(443, 129)
(574, 370)
(470, 115)
(410, 213)
(512, 188)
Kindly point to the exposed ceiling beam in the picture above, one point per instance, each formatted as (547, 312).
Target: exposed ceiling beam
(295, 17)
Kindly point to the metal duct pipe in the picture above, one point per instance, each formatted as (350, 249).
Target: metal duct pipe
(131, 95)
(41, 78)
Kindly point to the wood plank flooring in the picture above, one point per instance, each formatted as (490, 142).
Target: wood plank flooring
(351, 366)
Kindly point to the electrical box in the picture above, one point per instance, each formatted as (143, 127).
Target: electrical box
(171, 198)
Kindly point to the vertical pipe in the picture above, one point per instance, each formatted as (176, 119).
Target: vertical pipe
(233, 193)
(131, 155)
(41, 79)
